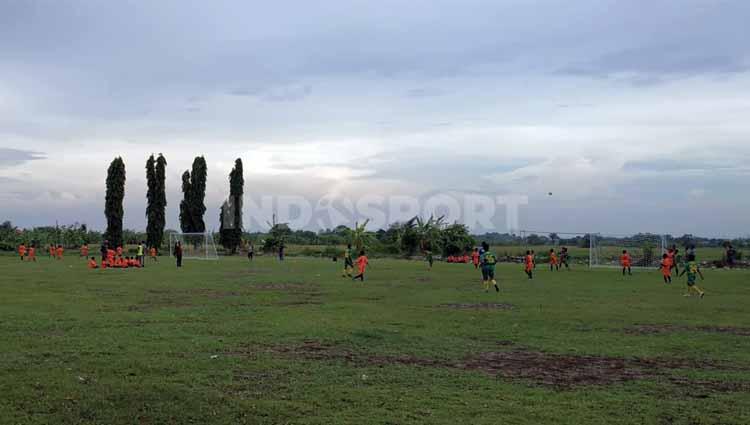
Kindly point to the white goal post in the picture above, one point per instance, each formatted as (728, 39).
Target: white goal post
(195, 246)
(645, 249)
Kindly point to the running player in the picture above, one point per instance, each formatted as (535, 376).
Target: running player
(692, 270)
(362, 263)
(529, 261)
(348, 262)
(488, 268)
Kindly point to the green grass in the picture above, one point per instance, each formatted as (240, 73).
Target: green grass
(232, 342)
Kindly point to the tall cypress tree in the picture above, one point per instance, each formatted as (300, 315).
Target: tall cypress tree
(192, 207)
(231, 235)
(113, 201)
(160, 201)
(186, 221)
(151, 200)
(157, 200)
(198, 195)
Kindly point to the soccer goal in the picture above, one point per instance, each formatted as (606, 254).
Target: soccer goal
(645, 249)
(195, 246)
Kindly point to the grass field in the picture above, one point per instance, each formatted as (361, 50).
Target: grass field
(231, 342)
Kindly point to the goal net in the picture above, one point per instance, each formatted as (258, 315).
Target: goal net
(195, 246)
(645, 249)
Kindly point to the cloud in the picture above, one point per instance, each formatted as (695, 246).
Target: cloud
(12, 157)
(423, 92)
(596, 100)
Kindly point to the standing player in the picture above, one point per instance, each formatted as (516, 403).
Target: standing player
(692, 270)
(59, 252)
(152, 253)
(362, 263)
(22, 250)
(475, 258)
(529, 261)
(488, 268)
(553, 265)
(103, 249)
(84, 253)
(565, 258)
(140, 251)
(533, 258)
(675, 259)
(429, 258)
(51, 251)
(32, 253)
(348, 262)
(625, 262)
(666, 268)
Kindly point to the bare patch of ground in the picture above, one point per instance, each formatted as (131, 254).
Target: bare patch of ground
(661, 329)
(289, 287)
(561, 371)
(158, 305)
(479, 306)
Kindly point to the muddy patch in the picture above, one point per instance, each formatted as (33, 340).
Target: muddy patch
(662, 329)
(479, 306)
(289, 287)
(560, 371)
(158, 305)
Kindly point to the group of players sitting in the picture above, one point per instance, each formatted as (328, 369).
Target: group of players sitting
(116, 263)
(463, 259)
(115, 260)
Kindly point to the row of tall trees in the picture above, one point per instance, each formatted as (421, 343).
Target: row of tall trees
(192, 206)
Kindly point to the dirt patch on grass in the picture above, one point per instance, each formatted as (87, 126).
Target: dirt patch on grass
(479, 306)
(299, 302)
(213, 293)
(289, 287)
(661, 329)
(158, 305)
(560, 371)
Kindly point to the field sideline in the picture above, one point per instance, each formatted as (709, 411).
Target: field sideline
(233, 342)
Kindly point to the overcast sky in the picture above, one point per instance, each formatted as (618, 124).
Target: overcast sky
(634, 114)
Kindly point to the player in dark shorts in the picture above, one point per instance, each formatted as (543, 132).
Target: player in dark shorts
(565, 258)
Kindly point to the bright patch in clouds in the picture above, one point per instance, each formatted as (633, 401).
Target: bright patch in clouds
(613, 106)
